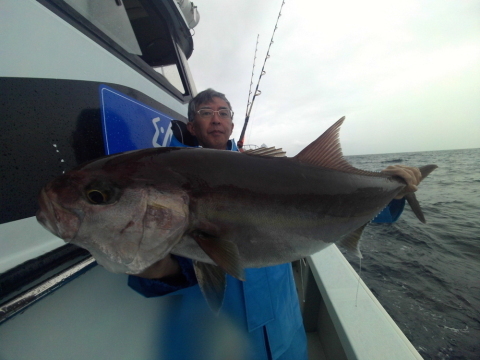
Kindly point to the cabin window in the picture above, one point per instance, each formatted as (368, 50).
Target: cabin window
(157, 45)
(188, 74)
(172, 75)
(111, 18)
(154, 46)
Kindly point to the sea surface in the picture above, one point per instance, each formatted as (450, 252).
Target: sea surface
(427, 276)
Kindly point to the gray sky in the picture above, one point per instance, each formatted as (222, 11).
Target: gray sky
(406, 74)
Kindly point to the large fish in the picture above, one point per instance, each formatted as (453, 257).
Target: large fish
(225, 210)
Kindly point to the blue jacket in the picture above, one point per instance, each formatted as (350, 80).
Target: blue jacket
(262, 313)
(391, 213)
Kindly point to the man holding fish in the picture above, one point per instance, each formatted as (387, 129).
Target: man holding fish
(148, 212)
(264, 309)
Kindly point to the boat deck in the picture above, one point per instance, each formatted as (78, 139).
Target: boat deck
(315, 348)
(342, 318)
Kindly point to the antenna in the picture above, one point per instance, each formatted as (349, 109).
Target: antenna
(257, 92)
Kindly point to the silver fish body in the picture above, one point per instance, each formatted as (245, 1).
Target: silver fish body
(275, 210)
(225, 210)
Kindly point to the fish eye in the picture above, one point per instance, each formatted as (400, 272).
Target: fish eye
(101, 192)
(97, 197)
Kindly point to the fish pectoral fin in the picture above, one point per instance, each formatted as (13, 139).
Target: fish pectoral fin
(212, 282)
(351, 241)
(224, 253)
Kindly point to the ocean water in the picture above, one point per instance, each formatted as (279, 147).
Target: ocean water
(427, 276)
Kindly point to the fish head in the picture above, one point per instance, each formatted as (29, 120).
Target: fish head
(126, 224)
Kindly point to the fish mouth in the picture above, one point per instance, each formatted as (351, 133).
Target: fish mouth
(56, 219)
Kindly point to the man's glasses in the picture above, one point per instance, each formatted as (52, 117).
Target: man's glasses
(207, 114)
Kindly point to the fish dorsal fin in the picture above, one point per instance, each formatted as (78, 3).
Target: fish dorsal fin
(266, 152)
(327, 152)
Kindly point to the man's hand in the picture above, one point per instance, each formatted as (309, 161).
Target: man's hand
(166, 268)
(411, 175)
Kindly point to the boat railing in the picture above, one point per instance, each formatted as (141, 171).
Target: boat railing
(30, 282)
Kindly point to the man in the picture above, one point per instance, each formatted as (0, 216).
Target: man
(214, 121)
(260, 317)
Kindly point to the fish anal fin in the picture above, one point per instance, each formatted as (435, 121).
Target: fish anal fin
(351, 241)
(326, 152)
(212, 282)
(224, 253)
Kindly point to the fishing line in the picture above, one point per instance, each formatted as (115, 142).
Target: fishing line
(301, 276)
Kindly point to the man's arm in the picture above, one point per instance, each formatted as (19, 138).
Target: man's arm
(166, 276)
(165, 268)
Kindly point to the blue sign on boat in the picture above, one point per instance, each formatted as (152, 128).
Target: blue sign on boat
(128, 124)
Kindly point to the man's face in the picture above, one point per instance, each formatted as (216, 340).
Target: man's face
(212, 133)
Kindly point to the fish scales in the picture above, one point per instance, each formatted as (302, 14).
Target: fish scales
(269, 202)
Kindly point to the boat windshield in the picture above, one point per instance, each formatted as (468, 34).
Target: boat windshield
(111, 19)
(139, 28)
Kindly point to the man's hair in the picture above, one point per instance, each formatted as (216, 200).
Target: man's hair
(203, 97)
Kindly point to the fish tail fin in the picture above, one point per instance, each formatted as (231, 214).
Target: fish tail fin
(415, 206)
(426, 170)
(412, 199)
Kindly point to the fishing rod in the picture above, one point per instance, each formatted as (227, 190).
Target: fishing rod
(251, 78)
(257, 92)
